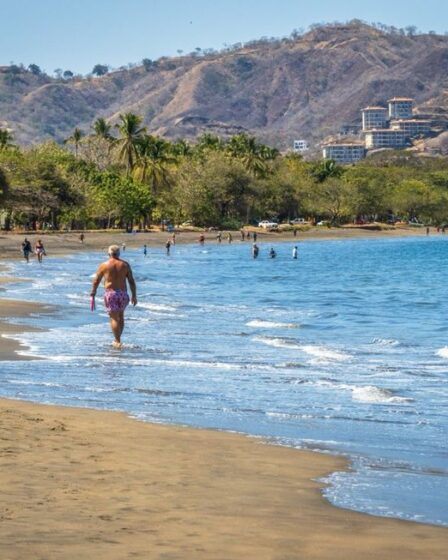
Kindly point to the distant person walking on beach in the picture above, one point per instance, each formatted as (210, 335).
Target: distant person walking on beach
(26, 249)
(168, 247)
(229, 237)
(255, 236)
(39, 249)
(295, 252)
(255, 250)
(116, 273)
(173, 239)
(427, 230)
(81, 238)
(202, 239)
(219, 237)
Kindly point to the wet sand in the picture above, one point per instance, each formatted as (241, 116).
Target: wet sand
(14, 308)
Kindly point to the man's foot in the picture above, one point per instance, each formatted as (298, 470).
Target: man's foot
(117, 345)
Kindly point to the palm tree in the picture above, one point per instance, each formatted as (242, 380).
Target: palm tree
(182, 148)
(75, 139)
(326, 168)
(154, 157)
(102, 129)
(131, 133)
(5, 139)
(246, 149)
(209, 142)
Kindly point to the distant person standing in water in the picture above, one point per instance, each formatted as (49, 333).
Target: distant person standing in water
(201, 239)
(116, 273)
(242, 234)
(39, 249)
(123, 247)
(145, 250)
(219, 237)
(229, 237)
(427, 230)
(26, 249)
(255, 250)
(295, 252)
(168, 247)
(272, 253)
(173, 239)
(255, 236)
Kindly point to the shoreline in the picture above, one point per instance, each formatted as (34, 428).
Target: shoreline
(58, 243)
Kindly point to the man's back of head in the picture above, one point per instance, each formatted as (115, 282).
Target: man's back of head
(114, 251)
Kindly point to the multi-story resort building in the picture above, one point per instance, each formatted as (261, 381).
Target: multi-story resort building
(344, 153)
(385, 138)
(400, 107)
(412, 127)
(374, 117)
(381, 128)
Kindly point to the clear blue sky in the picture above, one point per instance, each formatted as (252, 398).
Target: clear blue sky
(77, 34)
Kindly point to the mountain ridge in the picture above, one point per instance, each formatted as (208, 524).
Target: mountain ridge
(306, 87)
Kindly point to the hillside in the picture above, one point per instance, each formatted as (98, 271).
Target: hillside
(278, 90)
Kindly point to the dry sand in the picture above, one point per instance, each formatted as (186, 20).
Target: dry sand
(88, 484)
(98, 485)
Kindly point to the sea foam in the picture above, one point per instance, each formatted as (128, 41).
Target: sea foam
(443, 352)
(260, 324)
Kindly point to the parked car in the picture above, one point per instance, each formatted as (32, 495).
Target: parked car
(298, 221)
(323, 223)
(268, 224)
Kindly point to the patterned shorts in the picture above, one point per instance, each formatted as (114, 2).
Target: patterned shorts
(115, 300)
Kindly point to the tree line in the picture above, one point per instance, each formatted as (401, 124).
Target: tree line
(122, 176)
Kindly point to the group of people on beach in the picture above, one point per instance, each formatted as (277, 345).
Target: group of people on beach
(27, 250)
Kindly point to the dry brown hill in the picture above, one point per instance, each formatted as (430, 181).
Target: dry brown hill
(279, 90)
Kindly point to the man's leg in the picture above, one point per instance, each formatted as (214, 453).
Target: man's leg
(116, 325)
(121, 322)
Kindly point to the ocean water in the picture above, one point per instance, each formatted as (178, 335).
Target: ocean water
(344, 350)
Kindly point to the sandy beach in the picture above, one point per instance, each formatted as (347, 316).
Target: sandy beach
(88, 484)
(81, 483)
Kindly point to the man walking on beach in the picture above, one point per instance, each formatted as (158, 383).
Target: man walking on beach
(27, 249)
(115, 273)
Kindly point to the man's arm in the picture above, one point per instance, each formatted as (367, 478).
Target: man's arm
(132, 285)
(97, 280)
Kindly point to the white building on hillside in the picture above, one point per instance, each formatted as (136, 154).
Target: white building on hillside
(344, 153)
(374, 117)
(300, 146)
(412, 127)
(400, 107)
(386, 138)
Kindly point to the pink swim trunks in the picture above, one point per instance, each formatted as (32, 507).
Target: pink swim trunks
(115, 300)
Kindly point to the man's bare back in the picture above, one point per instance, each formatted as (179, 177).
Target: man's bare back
(116, 274)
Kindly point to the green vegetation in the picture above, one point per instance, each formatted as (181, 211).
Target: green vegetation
(100, 180)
